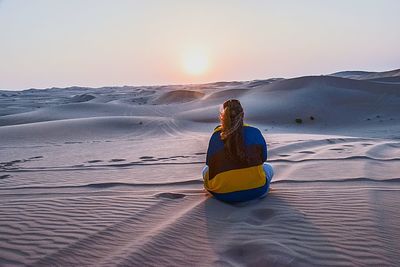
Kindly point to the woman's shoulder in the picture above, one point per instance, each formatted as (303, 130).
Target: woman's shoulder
(250, 128)
(217, 128)
(252, 133)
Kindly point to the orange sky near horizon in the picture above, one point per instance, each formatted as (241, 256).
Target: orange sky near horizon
(48, 43)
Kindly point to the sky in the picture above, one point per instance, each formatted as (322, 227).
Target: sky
(55, 43)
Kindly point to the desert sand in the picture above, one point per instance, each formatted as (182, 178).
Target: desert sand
(112, 176)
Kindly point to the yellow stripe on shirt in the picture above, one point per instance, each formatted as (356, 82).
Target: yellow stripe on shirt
(236, 180)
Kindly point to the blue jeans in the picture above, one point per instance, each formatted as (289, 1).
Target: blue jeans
(269, 171)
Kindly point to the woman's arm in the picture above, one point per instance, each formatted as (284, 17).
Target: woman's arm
(212, 144)
(264, 152)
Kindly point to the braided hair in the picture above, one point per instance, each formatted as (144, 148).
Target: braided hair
(231, 117)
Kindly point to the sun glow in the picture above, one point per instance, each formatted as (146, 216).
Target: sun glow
(195, 62)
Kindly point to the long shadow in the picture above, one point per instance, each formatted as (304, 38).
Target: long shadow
(266, 232)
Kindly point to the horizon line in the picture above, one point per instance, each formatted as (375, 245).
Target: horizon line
(189, 84)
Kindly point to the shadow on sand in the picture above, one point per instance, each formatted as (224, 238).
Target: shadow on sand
(264, 232)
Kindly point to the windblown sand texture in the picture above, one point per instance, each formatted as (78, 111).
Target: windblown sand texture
(112, 176)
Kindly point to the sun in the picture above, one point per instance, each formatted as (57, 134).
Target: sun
(195, 62)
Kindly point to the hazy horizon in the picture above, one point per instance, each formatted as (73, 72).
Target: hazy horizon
(104, 43)
(174, 84)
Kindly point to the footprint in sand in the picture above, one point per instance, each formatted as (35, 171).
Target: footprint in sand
(253, 253)
(172, 157)
(149, 160)
(37, 157)
(367, 144)
(4, 176)
(306, 152)
(94, 161)
(336, 149)
(117, 160)
(168, 195)
(146, 157)
(260, 216)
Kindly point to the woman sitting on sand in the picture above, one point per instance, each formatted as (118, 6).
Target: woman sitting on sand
(236, 169)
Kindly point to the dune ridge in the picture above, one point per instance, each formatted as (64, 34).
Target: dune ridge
(112, 176)
(367, 75)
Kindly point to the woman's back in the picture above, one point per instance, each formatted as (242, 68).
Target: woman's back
(232, 179)
(235, 169)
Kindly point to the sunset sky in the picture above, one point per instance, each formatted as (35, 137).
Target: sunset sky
(46, 43)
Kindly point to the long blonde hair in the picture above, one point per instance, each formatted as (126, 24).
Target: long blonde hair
(231, 117)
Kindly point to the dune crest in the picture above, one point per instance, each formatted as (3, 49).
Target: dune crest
(178, 96)
(112, 176)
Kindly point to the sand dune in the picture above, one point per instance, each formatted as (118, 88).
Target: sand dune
(306, 224)
(178, 96)
(111, 176)
(393, 80)
(385, 74)
(83, 110)
(318, 101)
(82, 98)
(367, 75)
(226, 94)
(309, 239)
(86, 128)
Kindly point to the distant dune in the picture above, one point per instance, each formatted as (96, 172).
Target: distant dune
(82, 98)
(112, 176)
(351, 74)
(327, 99)
(178, 96)
(366, 75)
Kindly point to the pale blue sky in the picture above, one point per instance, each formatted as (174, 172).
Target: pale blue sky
(46, 43)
